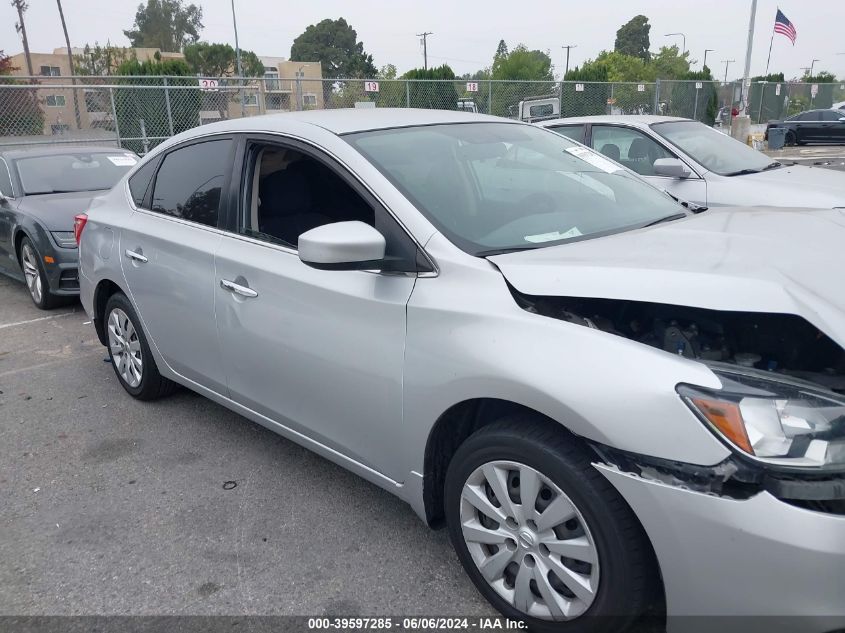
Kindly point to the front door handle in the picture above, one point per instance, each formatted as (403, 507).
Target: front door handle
(238, 289)
(136, 256)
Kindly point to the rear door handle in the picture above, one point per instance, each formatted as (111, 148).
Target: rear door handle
(238, 289)
(136, 256)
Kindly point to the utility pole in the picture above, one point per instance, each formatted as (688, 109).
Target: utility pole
(20, 27)
(567, 47)
(70, 64)
(707, 50)
(424, 37)
(750, 46)
(727, 62)
(238, 59)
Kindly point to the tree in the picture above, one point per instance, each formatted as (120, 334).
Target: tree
(99, 60)
(165, 24)
(20, 27)
(20, 113)
(523, 64)
(593, 99)
(137, 102)
(670, 63)
(220, 60)
(632, 38)
(433, 95)
(501, 50)
(334, 44)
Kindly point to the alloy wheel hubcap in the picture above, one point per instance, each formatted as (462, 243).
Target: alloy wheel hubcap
(529, 541)
(31, 273)
(125, 348)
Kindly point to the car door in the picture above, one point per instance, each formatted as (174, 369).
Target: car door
(637, 150)
(319, 352)
(167, 250)
(832, 129)
(7, 209)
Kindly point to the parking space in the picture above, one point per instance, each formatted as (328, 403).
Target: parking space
(113, 506)
(828, 156)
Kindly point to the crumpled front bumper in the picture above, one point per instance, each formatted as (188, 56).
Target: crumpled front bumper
(758, 564)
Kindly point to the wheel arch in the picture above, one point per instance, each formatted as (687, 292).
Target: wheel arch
(104, 290)
(451, 429)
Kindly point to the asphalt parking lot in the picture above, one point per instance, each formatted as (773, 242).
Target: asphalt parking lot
(112, 506)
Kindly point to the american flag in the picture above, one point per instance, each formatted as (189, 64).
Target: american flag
(785, 27)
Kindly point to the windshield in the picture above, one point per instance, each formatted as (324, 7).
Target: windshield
(77, 171)
(715, 151)
(496, 187)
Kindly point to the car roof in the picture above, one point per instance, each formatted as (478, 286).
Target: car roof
(58, 150)
(636, 119)
(348, 120)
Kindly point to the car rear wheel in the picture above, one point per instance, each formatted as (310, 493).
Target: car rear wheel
(542, 534)
(130, 354)
(36, 278)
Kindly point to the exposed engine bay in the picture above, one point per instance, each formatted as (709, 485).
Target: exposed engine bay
(782, 343)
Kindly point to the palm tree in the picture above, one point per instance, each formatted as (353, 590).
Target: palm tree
(70, 64)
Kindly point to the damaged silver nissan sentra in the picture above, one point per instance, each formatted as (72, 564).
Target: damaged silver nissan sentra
(611, 402)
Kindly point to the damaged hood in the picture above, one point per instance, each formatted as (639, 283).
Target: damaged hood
(765, 259)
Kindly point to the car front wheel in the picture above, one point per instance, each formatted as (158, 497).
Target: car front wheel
(130, 354)
(36, 278)
(542, 534)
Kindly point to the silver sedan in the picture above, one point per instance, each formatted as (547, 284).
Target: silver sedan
(697, 163)
(609, 401)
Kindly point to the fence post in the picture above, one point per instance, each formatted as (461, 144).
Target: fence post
(656, 96)
(144, 139)
(490, 96)
(762, 92)
(695, 108)
(114, 117)
(167, 103)
(611, 103)
(407, 93)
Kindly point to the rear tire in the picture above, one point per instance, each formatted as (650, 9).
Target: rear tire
(36, 278)
(791, 139)
(129, 352)
(614, 574)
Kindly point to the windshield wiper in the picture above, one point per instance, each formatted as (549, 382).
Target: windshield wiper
(503, 251)
(773, 165)
(668, 218)
(743, 172)
(692, 206)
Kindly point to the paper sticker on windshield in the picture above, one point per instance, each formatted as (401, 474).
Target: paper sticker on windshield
(593, 158)
(553, 236)
(123, 161)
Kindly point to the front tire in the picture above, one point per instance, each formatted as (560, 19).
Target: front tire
(36, 277)
(542, 534)
(130, 355)
(791, 138)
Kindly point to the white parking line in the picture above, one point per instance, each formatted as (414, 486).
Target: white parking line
(46, 318)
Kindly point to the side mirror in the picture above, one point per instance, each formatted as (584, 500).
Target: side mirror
(342, 246)
(671, 167)
(4, 199)
(842, 119)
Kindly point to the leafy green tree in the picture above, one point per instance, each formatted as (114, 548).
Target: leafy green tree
(134, 104)
(165, 24)
(593, 99)
(334, 43)
(520, 64)
(670, 63)
(391, 90)
(434, 95)
(20, 113)
(501, 50)
(220, 60)
(632, 38)
(99, 60)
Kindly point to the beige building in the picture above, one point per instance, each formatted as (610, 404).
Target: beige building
(286, 85)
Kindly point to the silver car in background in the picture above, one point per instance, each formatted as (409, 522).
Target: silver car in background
(610, 402)
(697, 163)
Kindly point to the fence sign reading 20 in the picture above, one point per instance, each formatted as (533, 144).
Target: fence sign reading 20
(208, 84)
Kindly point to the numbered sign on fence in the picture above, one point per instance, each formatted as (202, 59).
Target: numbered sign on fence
(640, 87)
(579, 87)
(472, 86)
(814, 90)
(370, 86)
(777, 90)
(699, 85)
(208, 85)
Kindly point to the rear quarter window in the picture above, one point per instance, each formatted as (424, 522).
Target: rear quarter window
(139, 182)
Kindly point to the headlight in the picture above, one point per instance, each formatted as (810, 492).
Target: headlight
(65, 239)
(773, 419)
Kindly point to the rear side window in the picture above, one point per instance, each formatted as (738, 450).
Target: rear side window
(575, 132)
(5, 179)
(190, 181)
(139, 182)
(831, 115)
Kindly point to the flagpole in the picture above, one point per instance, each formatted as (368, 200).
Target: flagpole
(772, 41)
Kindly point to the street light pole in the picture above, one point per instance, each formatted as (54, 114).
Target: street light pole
(707, 50)
(238, 58)
(813, 63)
(748, 49)
(684, 40)
(727, 63)
(567, 47)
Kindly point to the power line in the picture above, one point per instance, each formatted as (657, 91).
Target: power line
(424, 37)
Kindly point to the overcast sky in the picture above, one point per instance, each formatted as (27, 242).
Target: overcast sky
(466, 33)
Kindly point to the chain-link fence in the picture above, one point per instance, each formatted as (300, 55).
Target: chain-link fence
(139, 112)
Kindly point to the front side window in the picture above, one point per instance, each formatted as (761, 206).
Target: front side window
(190, 181)
(494, 187)
(5, 179)
(713, 150)
(77, 171)
(627, 146)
